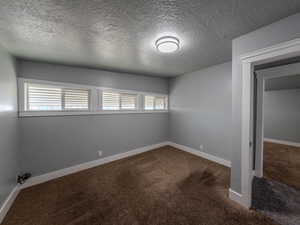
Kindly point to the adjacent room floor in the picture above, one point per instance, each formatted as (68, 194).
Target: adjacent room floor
(277, 195)
(282, 164)
(277, 201)
(165, 186)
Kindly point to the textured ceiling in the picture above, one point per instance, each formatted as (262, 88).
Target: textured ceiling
(119, 35)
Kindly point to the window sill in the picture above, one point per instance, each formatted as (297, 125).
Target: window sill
(78, 113)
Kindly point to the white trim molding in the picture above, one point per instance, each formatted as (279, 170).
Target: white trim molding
(205, 155)
(82, 113)
(290, 143)
(8, 202)
(235, 196)
(74, 169)
(273, 53)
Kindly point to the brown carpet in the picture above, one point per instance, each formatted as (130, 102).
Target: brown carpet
(282, 164)
(161, 187)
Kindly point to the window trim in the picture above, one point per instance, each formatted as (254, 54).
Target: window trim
(95, 100)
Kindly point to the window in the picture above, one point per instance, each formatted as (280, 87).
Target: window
(47, 98)
(129, 101)
(149, 102)
(160, 103)
(114, 100)
(76, 99)
(43, 97)
(155, 102)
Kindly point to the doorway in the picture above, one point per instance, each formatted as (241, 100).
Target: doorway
(250, 163)
(276, 117)
(276, 184)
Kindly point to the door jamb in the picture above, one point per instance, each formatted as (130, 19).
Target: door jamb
(280, 51)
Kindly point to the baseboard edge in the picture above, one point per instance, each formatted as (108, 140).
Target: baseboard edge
(235, 196)
(87, 165)
(205, 155)
(295, 144)
(8, 202)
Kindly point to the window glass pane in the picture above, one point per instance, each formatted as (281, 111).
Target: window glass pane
(51, 96)
(149, 102)
(128, 101)
(110, 100)
(160, 103)
(43, 97)
(76, 99)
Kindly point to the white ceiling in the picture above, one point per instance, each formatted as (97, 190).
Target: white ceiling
(119, 35)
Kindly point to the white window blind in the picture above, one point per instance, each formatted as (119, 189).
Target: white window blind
(110, 100)
(113, 100)
(149, 102)
(128, 101)
(47, 98)
(43, 97)
(155, 102)
(75, 99)
(160, 103)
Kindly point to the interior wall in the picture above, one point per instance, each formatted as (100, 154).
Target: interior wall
(283, 30)
(283, 83)
(94, 77)
(282, 115)
(9, 140)
(200, 110)
(51, 143)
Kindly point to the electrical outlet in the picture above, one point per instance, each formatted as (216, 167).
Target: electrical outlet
(201, 147)
(99, 153)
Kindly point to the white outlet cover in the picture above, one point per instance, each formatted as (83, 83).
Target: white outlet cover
(201, 147)
(99, 153)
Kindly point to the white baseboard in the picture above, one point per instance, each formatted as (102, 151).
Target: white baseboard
(73, 169)
(8, 202)
(295, 144)
(193, 151)
(237, 197)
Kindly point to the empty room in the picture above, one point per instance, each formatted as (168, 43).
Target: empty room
(158, 112)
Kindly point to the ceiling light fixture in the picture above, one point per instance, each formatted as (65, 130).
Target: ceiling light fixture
(167, 44)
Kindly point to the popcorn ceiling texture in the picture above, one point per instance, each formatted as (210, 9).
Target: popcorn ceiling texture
(120, 35)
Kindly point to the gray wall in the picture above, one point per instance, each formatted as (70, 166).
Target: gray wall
(283, 83)
(283, 30)
(200, 110)
(9, 151)
(80, 75)
(282, 115)
(282, 77)
(51, 143)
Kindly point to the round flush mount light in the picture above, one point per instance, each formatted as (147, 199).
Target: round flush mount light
(167, 44)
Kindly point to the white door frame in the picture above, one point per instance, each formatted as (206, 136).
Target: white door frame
(277, 52)
(262, 76)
